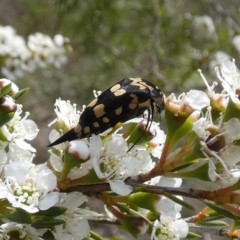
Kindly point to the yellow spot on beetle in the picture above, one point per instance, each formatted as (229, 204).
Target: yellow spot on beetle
(145, 104)
(99, 110)
(93, 103)
(105, 120)
(115, 87)
(132, 105)
(86, 130)
(118, 111)
(119, 92)
(136, 80)
(96, 124)
(78, 128)
(135, 98)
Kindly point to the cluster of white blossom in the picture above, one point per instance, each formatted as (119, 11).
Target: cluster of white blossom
(206, 120)
(26, 186)
(108, 156)
(40, 51)
(218, 136)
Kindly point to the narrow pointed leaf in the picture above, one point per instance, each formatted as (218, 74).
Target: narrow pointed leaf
(214, 223)
(6, 118)
(48, 236)
(19, 216)
(5, 90)
(200, 173)
(221, 210)
(47, 223)
(20, 93)
(179, 201)
(52, 212)
(193, 235)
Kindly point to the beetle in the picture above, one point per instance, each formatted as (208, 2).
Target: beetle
(126, 99)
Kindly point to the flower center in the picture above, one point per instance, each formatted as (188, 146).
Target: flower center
(26, 194)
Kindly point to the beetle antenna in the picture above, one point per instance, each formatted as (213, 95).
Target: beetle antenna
(148, 125)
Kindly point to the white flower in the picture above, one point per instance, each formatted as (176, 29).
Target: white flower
(201, 126)
(56, 158)
(7, 35)
(191, 102)
(197, 99)
(42, 47)
(29, 187)
(218, 58)
(72, 200)
(169, 229)
(20, 129)
(217, 144)
(220, 99)
(27, 61)
(76, 227)
(40, 51)
(229, 76)
(204, 26)
(156, 144)
(59, 40)
(59, 53)
(111, 160)
(166, 206)
(46, 50)
(67, 113)
(24, 230)
(12, 69)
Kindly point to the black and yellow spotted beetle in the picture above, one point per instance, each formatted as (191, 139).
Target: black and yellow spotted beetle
(125, 100)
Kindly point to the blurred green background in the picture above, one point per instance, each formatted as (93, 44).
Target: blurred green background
(162, 41)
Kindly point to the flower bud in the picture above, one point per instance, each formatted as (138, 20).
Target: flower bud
(7, 105)
(76, 153)
(135, 225)
(14, 87)
(145, 200)
(79, 150)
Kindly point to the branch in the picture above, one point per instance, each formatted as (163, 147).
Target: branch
(95, 189)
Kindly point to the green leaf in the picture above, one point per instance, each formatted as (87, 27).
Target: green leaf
(200, 173)
(179, 201)
(232, 111)
(6, 118)
(5, 90)
(51, 212)
(193, 235)
(214, 223)
(144, 200)
(178, 127)
(90, 178)
(19, 216)
(95, 236)
(47, 223)
(2, 136)
(221, 210)
(212, 217)
(20, 93)
(48, 236)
